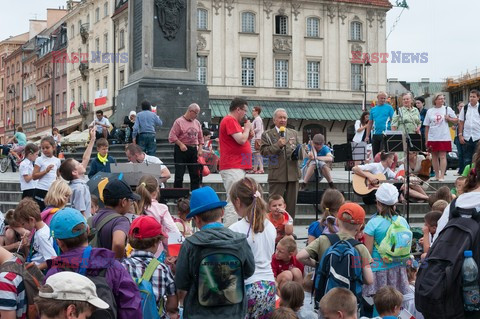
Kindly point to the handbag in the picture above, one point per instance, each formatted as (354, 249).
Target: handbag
(257, 144)
(204, 170)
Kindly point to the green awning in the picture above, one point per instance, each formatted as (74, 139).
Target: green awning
(296, 110)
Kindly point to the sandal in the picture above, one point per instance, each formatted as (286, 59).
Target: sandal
(260, 172)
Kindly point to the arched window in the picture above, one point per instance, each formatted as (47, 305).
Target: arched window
(356, 31)
(313, 27)
(202, 19)
(248, 22)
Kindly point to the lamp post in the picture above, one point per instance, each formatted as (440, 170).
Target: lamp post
(366, 63)
(12, 90)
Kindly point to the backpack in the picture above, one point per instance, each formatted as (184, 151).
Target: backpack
(219, 278)
(465, 109)
(397, 243)
(339, 267)
(104, 291)
(32, 279)
(438, 288)
(94, 237)
(149, 303)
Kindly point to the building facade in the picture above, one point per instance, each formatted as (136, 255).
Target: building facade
(309, 57)
(13, 93)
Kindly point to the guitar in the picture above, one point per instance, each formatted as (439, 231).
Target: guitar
(362, 186)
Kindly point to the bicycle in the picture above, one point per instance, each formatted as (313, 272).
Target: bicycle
(10, 160)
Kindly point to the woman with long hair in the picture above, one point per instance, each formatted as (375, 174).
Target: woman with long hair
(246, 196)
(360, 127)
(437, 134)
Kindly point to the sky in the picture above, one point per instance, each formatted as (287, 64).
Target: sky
(447, 30)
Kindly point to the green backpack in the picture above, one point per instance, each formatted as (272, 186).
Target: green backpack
(397, 243)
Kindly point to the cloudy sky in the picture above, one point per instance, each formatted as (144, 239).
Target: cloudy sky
(447, 30)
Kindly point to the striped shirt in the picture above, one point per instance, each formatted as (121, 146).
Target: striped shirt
(12, 292)
(162, 280)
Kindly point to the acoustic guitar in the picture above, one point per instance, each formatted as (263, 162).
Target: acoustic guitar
(362, 186)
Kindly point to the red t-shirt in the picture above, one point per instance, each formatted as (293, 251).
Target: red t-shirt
(279, 266)
(232, 154)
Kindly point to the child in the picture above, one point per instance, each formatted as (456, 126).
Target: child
(388, 302)
(183, 224)
(332, 199)
(338, 303)
(206, 210)
(145, 236)
(458, 189)
(283, 313)
(102, 162)
(81, 300)
(440, 205)
(15, 235)
(284, 263)
(27, 214)
(292, 296)
(27, 183)
(279, 217)
(45, 170)
(248, 203)
(94, 207)
(409, 297)
(58, 197)
(148, 189)
(429, 229)
(351, 217)
(74, 172)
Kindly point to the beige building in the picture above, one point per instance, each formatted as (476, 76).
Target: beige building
(296, 55)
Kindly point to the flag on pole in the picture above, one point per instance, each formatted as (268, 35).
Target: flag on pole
(44, 111)
(363, 106)
(101, 97)
(72, 106)
(8, 121)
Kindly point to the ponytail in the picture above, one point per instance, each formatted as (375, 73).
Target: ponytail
(146, 187)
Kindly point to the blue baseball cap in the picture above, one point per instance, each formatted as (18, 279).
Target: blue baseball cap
(64, 222)
(204, 199)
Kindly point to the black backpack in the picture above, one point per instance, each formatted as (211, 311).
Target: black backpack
(465, 109)
(438, 288)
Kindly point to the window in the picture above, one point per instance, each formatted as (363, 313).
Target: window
(64, 102)
(281, 73)
(313, 74)
(79, 26)
(248, 22)
(8, 71)
(281, 25)
(248, 71)
(97, 44)
(57, 104)
(97, 85)
(72, 95)
(121, 39)
(105, 42)
(57, 69)
(1, 87)
(105, 82)
(122, 78)
(313, 27)
(72, 31)
(356, 31)
(356, 77)
(80, 97)
(105, 9)
(97, 15)
(18, 66)
(202, 19)
(202, 69)
(64, 66)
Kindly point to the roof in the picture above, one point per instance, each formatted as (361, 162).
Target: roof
(376, 3)
(418, 88)
(297, 110)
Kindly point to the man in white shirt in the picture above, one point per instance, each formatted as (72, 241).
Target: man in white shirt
(102, 124)
(136, 155)
(469, 127)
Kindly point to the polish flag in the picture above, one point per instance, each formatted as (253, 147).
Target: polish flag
(44, 111)
(363, 105)
(101, 97)
(9, 121)
(72, 106)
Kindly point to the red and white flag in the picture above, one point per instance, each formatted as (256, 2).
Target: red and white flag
(9, 121)
(363, 105)
(72, 107)
(44, 111)
(101, 97)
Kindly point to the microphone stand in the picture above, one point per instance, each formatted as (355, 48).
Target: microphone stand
(409, 145)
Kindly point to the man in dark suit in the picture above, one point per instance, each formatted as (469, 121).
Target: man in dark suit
(278, 144)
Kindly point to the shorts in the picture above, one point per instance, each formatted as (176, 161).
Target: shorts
(321, 164)
(440, 146)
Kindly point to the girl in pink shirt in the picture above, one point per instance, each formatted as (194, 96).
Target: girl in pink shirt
(148, 189)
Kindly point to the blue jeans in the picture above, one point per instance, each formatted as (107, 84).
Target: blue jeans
(468, 151)
(148, 143)
(461, 165)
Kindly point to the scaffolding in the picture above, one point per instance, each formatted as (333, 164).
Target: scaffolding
(464, 80)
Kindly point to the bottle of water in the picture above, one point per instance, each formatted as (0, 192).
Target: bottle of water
(471, 293)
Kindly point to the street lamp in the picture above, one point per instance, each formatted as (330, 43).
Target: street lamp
(366, 63)
(12, 90)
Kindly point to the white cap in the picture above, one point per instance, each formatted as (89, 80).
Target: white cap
(132, 113)
(69, 285)
(387, 194)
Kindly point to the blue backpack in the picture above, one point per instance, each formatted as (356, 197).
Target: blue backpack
(149, 303)
(340, 266)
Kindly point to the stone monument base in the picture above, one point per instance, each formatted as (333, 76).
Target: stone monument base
(171, 98)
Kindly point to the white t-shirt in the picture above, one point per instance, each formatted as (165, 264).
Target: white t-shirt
(26, 168)
(377, 168)
(358, 135)
(43, 245)
(46, 180)
(471, 128)
(103, 121)
(467, 200)
(263, 247)
(438, 126)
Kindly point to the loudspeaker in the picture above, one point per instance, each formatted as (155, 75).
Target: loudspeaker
(173, 194)
(309, 197)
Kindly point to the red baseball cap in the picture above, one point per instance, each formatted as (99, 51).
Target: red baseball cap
(144, 227)
(356, 212)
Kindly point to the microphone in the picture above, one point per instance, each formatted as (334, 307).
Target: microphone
(282, 131)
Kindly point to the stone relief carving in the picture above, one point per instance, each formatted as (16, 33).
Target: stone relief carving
(169, 13)
(217, 4)
(282, 45)
(201, 43)
(229, 6)
(370, 17)
(267, 7)
(381, 18)
(331, 12)
(357, 47)
(295, 9)
(282, 10)
(342, 13)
